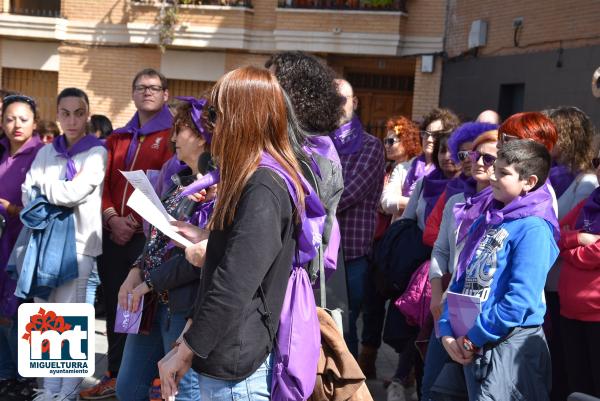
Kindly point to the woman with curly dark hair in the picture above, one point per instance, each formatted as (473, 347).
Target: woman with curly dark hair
(310, 85)
(402, 144)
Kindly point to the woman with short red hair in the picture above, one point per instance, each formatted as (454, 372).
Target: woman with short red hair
(529, 125)
(402, 145)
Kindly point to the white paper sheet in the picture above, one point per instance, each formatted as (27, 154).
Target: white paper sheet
(140, 181)
(139, 202)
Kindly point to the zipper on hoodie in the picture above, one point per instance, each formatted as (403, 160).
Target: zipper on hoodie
(141, 140)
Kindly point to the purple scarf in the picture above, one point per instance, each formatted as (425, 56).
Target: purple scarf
(161, 121)
(61, 147)
(434, 185)
(466, 213)
(461, 185)
(537, 203)
(323, 146)
(589, 216)
(561, 178)
(312, 217)
(417, 170)
(348, 138)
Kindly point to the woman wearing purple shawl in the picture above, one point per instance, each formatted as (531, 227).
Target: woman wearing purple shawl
(458, 216)
(69, 172)
(579, 293)
(161, 275)
(18, 148)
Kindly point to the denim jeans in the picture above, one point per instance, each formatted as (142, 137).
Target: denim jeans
(8, 349)
(374, 310)
(92, 284)
(141, 356)
(257, 387)
(435, 360)
(356, 275)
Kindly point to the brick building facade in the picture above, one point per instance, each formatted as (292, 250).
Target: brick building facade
(536, 55)
(98, 45)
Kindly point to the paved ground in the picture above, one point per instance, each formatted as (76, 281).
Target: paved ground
(386, 363)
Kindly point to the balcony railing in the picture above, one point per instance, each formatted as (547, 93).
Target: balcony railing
(36, 8)
(183, 3)
(361, 5)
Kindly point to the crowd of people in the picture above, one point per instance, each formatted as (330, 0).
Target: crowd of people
(470, 247)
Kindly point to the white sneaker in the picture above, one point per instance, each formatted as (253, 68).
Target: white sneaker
(42, 395)
(395, 392)
(410, 393)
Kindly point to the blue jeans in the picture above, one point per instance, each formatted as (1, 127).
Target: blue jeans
(92, 284)
(142, 353)
(435, 360)
(356, 275)
(257, 387)
(8, 349)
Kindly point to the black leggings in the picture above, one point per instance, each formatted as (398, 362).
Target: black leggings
(581, 343)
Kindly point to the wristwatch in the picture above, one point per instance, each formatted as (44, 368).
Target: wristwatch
(468, 345)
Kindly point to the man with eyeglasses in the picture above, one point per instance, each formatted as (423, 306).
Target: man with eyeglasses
(363, 168)
(142, 144)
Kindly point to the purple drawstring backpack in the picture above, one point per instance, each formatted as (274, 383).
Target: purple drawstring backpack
(297, 342)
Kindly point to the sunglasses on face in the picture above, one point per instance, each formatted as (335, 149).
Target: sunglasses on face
(488, 160)
(18, 98)
(507, 138)
(596, 162)
(212, 114)
(390, 141)
(463, 155)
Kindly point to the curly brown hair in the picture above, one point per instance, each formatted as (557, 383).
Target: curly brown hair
(408, 132)
(575, 138)
(450, 121)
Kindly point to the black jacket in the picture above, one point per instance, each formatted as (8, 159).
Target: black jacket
(229, 335)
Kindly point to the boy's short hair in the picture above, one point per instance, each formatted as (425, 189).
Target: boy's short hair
(150, 72)
(527, 158)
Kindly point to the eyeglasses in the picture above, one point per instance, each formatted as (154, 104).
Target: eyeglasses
(488, 160)
(18, 98)
(507, 138)
(596, 162)
(462, 155)
(390, 141)
(433, 134)
(154, 89)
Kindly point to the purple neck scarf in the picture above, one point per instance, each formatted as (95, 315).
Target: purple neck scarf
(418, 169)
(348, 138)
(461, 185)
(61, 147)
(466, 213)
(561, 178)
(323, 146)
(161, 121)
(434, 185)
(589, 216)
(196, 114)
(537, 203)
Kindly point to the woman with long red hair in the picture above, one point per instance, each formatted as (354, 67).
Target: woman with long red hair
(250, 248)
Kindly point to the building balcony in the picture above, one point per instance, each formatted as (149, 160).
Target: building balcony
(36, 8)
(357, 5)
(195, 3)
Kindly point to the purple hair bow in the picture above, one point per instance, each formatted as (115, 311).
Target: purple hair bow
(197, 107)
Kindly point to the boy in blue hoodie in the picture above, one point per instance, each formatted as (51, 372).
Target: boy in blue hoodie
(504, 262)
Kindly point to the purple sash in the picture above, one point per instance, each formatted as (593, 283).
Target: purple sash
(561, 178)
(60, 145)
(418, 169)
(434, 185)
(461, 185)
(589, 216)
(537, 203)
(161, 121)
(348, 138)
